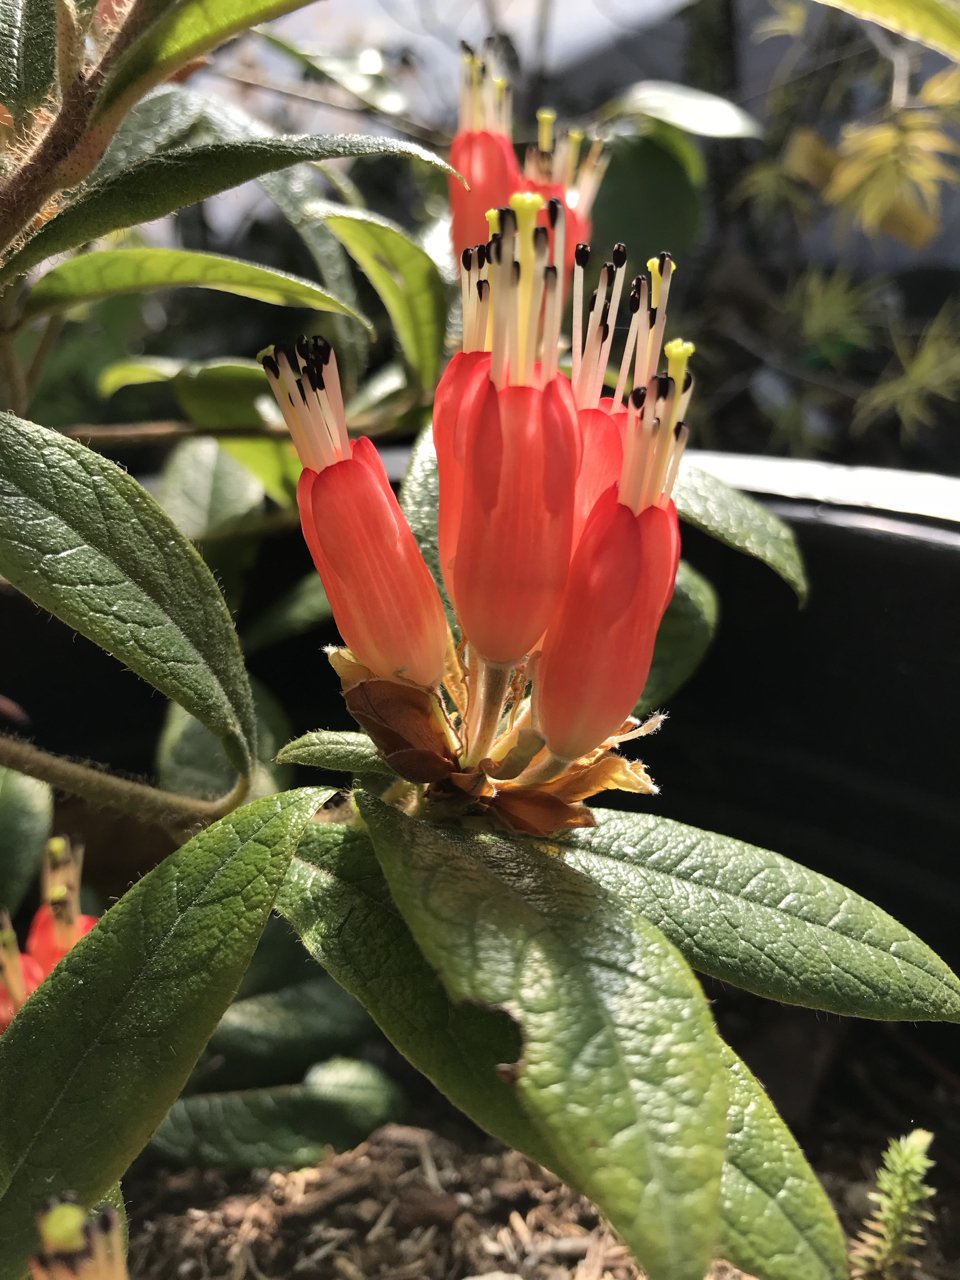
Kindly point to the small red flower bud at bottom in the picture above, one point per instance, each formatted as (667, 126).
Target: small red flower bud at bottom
(489, 163)
(385, 603)
(598, 648)
(46, 942)
(521, 455)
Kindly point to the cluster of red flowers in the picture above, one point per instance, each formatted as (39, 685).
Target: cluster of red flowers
(56, 926)
(558, 538)
(483, 153)
(76, 1246)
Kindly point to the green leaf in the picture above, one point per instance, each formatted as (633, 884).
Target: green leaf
(338, 1105)
(405, 277)
(223, 393)
(685, 635)
(335, 895)
(336, 898)
(342, 751)
(302, 608)
(935, 23)
(278, 1035)
(92, 276)
(28, 52)
(760, 921)
(86, 542)
(683, 107)
(191, 762)
(136, 373)
(26, 816)
(420, 500)
(777, 1220)
(739, 522)
(160, 184)
(204, 491)
(186, 31)
(120, 1022)
(621, 1069)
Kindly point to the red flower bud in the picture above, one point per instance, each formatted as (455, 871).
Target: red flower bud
(598, 649)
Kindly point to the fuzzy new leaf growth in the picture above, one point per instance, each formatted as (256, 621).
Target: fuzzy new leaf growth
(888, 1240)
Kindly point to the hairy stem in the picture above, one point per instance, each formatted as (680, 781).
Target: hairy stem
(28, 188)
(48, 340)
(151, 805)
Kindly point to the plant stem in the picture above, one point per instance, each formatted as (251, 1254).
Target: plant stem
(164, 431)
(10, 365)
(28, 188)
(48, 339)
(151, 805)
(489, 685)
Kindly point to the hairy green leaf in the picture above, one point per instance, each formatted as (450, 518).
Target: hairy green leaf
(191, 762)
(935, 23)
(607, 1010)
(337, 1106)
(99, 275)
(28, 53)
(335, 896)
(86, 542)
(206, 492)
(26, 815)
(343, 751)
(186, 31)
(760, 921)
(120, 1022)
(162, 183)
(741, 523)
(777, 1220)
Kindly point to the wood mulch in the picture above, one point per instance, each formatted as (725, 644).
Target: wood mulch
(404, 1205)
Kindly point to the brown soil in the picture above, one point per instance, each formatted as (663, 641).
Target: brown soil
(405, 1205)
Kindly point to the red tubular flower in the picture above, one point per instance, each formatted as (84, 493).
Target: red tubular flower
(597, 652)
(483, 152)
(508, 445)
(385, 603)
(19, 975)
(49, 938)
(516, 525)
(489, 163)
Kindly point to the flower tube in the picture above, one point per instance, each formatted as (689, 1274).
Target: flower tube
(598, 649)
(508, 446)
(384, 601)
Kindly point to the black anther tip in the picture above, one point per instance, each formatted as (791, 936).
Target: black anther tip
(619, 254)
(582, 255)
(466, 259)
(553, 210)
(637, 397)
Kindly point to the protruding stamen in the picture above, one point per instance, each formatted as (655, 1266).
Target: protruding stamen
(619, 259)
(681, 435)
(546, 123)
(574, 143)
(552, 313)
(526, 206)
(661, 273)
(638, 318)
(306, 383)
(581, 258)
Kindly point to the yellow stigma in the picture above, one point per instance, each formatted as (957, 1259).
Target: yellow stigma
(574, 143)
(61, 1229)
(678, 353)
(546, 119)
(493, 222)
